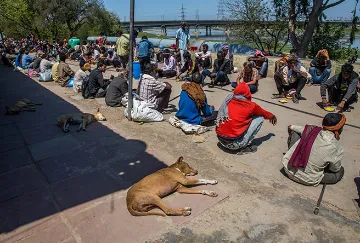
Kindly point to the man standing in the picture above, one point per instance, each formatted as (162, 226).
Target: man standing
(144, 52)
(122, 48)
(315, 153)
(341, 89)
(182, 40)
(97, 84)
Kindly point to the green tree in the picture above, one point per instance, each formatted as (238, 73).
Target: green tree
(304, 16)
(56, 19)
(258, 24)
(331, 42)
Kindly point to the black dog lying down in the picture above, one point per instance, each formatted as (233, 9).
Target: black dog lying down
(21, 105)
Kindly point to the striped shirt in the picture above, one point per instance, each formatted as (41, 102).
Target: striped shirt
(248, 76)
(150, 88)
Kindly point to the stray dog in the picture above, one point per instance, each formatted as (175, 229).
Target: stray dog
(147, 193)
(21, 105)
(83, 119)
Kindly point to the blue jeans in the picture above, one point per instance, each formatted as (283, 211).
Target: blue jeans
(253, 87)
(248, 136)
(318, 79)
(220, 76)
(263, 68)
(204, 74)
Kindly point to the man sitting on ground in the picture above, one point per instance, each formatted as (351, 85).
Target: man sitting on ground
(219, 75)
(117, 90)
(249, 75)
(193, 106)
(45, 64)
(341, 89)
(239, 120)
(81, 76)
(154, 91)
(168, 70)
(97, 84)
(229, 56)
(284, 60)
(315, 153)
(291, 79)
(64, 71)
(204, 58)
(320, 68)
(26, 60)
(145, 46)
(190, 67)
(260, 62)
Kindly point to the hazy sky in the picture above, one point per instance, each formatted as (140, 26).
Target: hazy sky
(207, 9)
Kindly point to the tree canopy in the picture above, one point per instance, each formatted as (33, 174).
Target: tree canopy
(55, 19)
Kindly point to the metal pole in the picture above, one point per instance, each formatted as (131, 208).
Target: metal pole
(131, 58)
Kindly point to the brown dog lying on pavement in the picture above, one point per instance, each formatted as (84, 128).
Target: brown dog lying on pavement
(21, 105)
(147, 193)
(83, 119)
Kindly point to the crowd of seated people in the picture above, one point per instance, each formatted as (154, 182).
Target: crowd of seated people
(238, 119)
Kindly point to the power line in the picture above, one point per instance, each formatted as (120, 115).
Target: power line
(221, 10)
(197, 17)
(182, 12)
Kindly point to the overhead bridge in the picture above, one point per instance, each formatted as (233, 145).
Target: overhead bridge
(208, 24)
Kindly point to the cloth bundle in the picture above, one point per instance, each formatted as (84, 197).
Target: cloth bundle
(186, 127)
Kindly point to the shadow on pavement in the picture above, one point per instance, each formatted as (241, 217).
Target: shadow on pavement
(44, 171)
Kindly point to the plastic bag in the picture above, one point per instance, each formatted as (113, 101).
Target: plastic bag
(46, 76)
(71, 82)
(186, 127)
(143, 112)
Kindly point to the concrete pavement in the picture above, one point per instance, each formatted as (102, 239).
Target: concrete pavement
(60, 187)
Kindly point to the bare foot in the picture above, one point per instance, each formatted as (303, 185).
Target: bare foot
(209, 193)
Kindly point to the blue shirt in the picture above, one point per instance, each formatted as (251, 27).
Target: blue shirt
(144, 47)
(188, 111)
(26, 60)
(184, 37)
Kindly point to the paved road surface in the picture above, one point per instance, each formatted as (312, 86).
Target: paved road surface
(58, 187)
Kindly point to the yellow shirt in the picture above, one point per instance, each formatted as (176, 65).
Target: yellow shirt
(54, 71)
(122, 45)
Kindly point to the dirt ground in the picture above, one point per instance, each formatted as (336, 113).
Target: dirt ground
(260, 203)
(263, 205)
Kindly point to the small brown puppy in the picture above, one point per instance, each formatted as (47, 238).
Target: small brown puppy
(21, 105)
(83, 119)
(147, 193)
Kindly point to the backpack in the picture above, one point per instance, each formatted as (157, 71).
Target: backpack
(85, 89)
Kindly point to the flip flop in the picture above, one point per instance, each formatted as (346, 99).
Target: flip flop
(329, 109)
(289, 97)
(276, 96)
(283, 101)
